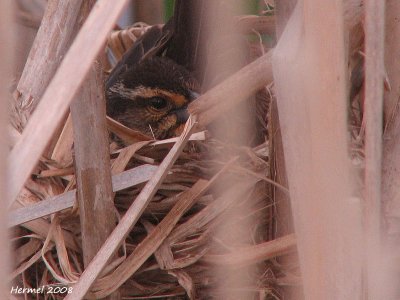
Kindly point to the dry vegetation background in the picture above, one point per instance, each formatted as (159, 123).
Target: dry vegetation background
(306, 208)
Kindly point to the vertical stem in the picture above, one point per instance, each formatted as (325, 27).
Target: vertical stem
(284, 223)
(391, 145)
(391, 149)
(374, 68)
(47, 51)
(310, 80)
(92, 163)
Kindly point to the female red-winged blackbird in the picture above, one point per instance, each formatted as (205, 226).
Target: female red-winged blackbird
(152, 97)
(150, 88)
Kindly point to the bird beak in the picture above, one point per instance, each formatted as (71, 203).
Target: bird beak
(182, 115)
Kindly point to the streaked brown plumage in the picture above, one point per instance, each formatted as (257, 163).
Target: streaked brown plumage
(150, 88)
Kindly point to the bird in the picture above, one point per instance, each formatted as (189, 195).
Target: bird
(152, 97)
(150, 88)
(168, 67)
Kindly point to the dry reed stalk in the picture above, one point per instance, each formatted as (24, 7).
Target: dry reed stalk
(66, 200)
(93, 175)
(129, 219)
(230, 92)
(309, 73)
(391, 150)
(42, 227)
(391, 145)
(47, 51)
(373, 118)
(60, 92)
(7, 42)
(40, 209)
(229, 102)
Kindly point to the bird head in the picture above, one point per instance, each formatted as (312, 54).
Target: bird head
(152, 97)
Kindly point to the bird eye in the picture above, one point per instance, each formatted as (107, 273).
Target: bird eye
(158, 102)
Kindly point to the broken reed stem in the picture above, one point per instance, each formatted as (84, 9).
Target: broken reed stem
(92, 163)
(374, 78)
(130, 218)
(47, 51)
(233, 90)
(93, 170)
(60, 92)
